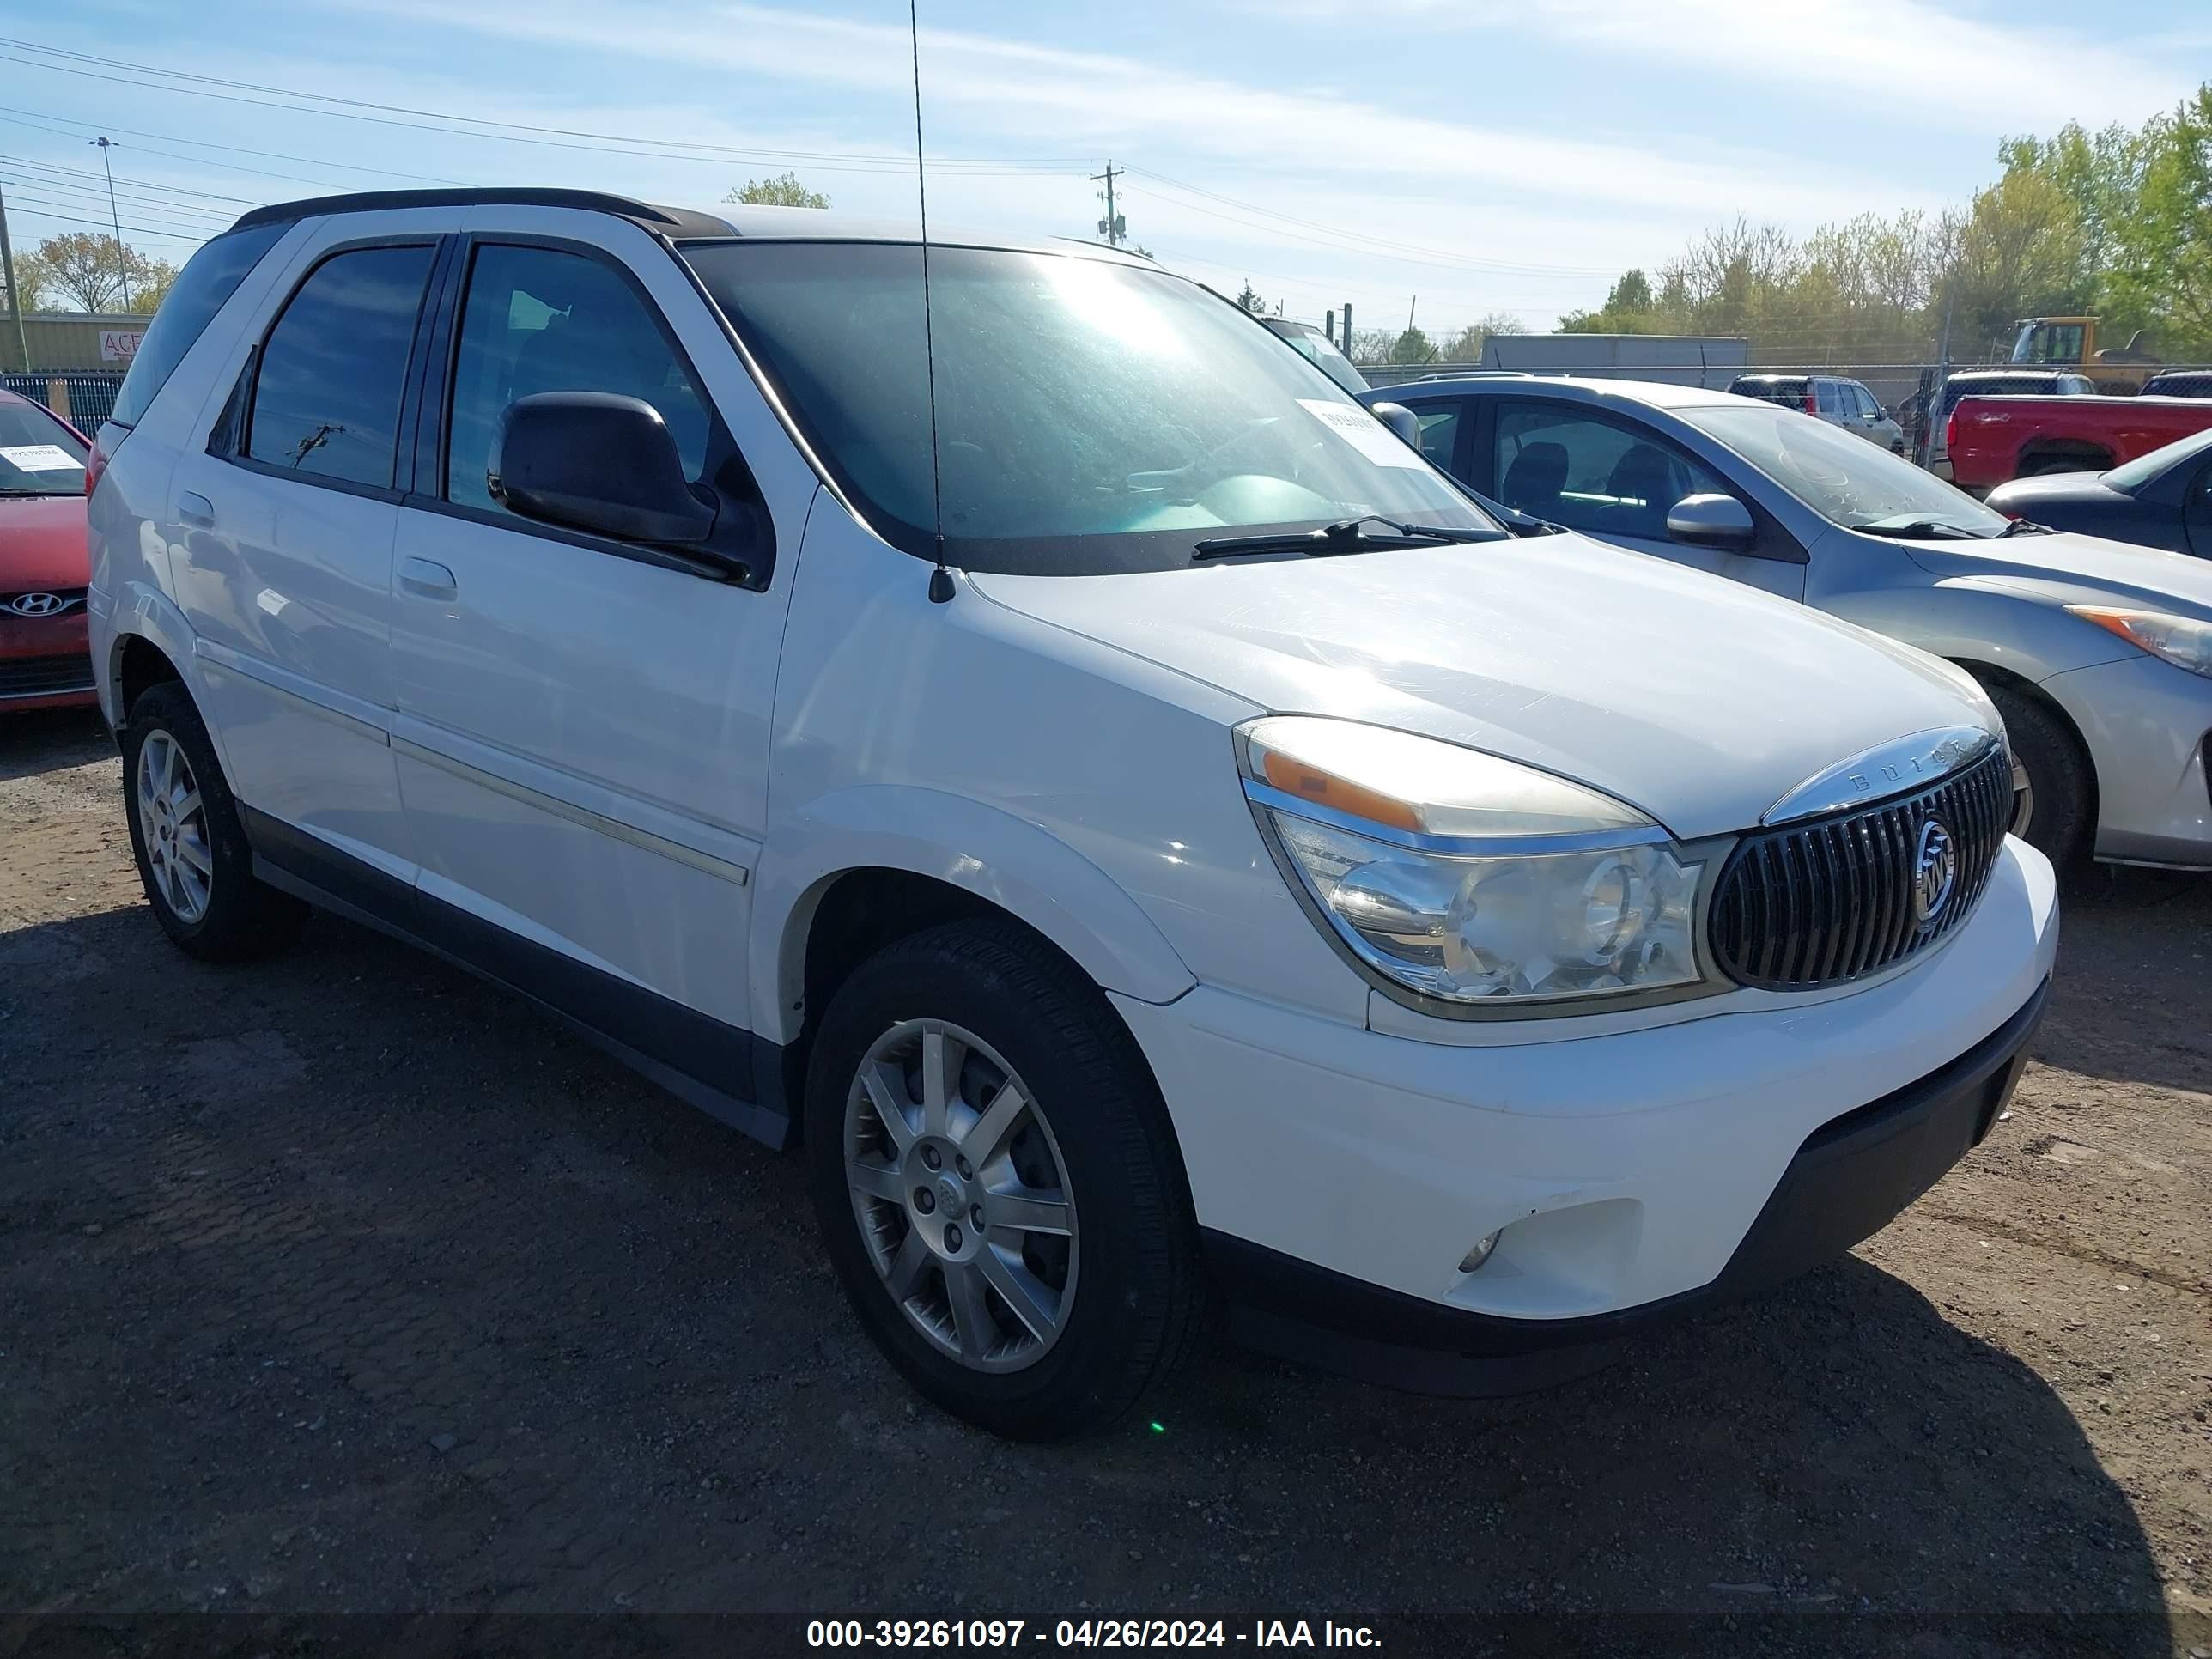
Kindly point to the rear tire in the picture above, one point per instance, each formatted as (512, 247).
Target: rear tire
(193, 857)
(1112, 1300)
(2053, 811)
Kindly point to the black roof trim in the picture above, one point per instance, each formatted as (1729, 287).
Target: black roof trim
(668, 220)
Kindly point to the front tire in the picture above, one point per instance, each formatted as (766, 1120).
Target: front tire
(193, 858)
(998, 1184)
(2053, 785)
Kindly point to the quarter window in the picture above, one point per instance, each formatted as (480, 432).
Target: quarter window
(1592, 475)
(1439, 425)
(540, 319)
(326, 397)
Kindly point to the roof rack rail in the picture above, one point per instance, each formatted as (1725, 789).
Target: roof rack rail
(669, 221)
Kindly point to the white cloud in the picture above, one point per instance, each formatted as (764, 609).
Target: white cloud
(1081, 101)
(1928, 64)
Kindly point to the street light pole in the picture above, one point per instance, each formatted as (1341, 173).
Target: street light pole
(114, 219)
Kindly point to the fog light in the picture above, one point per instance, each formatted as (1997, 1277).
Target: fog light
(1479, 1254)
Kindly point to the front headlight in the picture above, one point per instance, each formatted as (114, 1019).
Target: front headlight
(1467, 879)
(2181, 641)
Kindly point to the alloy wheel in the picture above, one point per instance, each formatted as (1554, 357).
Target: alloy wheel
(961, 1196)
(173, 823)
(2023, 798)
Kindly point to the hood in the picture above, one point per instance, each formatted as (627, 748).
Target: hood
(42, 543)
(1698, 700)
(2076, 570)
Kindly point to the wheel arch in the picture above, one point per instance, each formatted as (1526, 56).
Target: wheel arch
(2039, 452)
(1992, 676)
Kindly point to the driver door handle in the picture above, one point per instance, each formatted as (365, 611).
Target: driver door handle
(430, 580)
(195, 510)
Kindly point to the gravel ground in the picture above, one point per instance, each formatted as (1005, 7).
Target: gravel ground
(345, 1285)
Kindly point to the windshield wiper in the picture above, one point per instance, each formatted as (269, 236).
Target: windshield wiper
(1920, 530)
(2024, 527)
(1343, 536)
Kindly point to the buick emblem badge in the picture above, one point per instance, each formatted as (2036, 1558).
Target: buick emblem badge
(1935, 872)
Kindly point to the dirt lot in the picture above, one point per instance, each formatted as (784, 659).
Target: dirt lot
(344, 1285)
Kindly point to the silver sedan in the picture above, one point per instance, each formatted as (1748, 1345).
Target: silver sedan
(2098, 654)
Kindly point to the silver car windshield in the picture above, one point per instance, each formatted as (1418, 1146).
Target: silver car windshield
(1092, 416)
(1844, 478)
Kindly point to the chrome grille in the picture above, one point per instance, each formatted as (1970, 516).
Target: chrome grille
(1832, 899)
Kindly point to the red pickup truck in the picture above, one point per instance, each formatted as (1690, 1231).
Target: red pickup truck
(1995, 440)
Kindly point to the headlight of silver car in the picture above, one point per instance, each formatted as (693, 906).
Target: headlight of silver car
(1470, 879)
(2182, 641)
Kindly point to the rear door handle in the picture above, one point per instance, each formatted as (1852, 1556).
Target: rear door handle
(426, 577)
(195, 510)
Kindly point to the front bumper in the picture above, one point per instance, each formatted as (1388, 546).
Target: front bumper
(2148, 725)
(1850, 1179)
(46, 663)
(1623, 1172)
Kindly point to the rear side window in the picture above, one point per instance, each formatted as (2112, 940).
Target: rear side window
(209, 278)
(1829, 403)
(538, 319)
(326, 397)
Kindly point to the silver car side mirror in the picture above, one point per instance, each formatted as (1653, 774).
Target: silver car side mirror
(1712, 521)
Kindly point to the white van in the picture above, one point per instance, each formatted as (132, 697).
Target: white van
(1048, 750)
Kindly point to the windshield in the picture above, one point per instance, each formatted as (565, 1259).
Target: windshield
(1320, 351)
(1840, 475)
(1092, 416)
(2144, 468)
(39, 456)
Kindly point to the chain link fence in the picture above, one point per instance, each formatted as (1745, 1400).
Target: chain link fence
(84, 400)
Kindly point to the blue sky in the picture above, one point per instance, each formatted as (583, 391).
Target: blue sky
(1482, 154)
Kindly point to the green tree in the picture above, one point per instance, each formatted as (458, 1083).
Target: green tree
(86, 272)
(1631, 296)
(1412, 346)
(784, 192)
(1249, 298)
(2162, 249)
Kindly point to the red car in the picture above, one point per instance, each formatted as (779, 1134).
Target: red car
(1993, 440)
(45, 659)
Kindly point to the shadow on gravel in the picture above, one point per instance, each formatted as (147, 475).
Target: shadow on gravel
(50, 739)
(2135, 968)
(349, 1283)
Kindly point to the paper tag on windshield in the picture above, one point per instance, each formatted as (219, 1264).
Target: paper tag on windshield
(40, 458)
(1362, 432)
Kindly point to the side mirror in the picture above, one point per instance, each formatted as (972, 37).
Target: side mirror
(1400, 420)
(596, 461)
(1721, 522)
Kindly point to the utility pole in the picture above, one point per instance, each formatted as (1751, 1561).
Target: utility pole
(1942, 369)
(1328, 326)
(1111, 227)
(114, 219)
(1410, 305)
(15, 294)
(1345, 346)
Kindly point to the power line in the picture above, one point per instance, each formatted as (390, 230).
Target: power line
(138, 198)
(99, 224)
(153, 183)
(1380, 243)
(38, 120)
(461, 126)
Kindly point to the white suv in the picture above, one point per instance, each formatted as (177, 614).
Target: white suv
(1134, 820)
